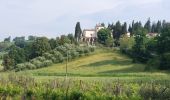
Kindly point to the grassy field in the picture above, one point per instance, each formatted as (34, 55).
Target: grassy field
(103, 75)
(1, 64)
(102, 65)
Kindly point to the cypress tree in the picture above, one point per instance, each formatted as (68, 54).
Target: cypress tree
(78, 32)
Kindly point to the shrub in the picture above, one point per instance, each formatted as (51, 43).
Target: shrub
(41, 59)
(47, 63)
(48, 55)
(62, 50)
(20, 67)
(37, 63)
(153, 63)
(77, 96)
(92, 49)
(165, 61)
(74, 53)
(30, 65)
(80, 50)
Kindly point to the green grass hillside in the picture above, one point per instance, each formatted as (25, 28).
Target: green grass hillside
(104, 74)
(103, 64)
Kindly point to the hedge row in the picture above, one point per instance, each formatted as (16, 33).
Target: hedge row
(58, 55)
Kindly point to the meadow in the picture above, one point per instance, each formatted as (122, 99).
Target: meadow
(105, 74)
(102, 64)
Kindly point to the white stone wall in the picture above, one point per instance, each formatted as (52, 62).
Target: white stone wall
(88, 33)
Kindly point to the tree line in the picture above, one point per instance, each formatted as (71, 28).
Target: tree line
(21, 50)
(154, 50)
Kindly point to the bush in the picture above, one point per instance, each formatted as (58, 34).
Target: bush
(37, 63)
(165, 61)
(74, 53)
(92, 49)
(80, 50)
(20, 67)
(47, 63)
(153, 63)
(41, 59)
(62, 50)
(48, 55)
(30, 65)
(77, 96)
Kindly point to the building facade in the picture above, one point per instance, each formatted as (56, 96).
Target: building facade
(90, 35)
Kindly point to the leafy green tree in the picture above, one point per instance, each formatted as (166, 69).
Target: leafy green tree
(32, 38)
(28, 51)
(139, 48)
(71, 38)
(109, 42)
(8, 39)
(40, 46)
(52, 43)
(78, 32)
(126, 44)
(64, 40)
(17, 54)
(103, 35)
(20, 41)
(7, 63)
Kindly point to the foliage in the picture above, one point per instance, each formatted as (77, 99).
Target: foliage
(64, 40)
(40, 46)
(4, 46)
(53, 43)
(7, 63)
(139, 48)
(78, 31)
(20, 41)
(28, 88)
(57, 55)
(126, 44)
(165, 61)
(103, 35)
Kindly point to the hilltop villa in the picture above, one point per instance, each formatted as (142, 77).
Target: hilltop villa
(90, 35)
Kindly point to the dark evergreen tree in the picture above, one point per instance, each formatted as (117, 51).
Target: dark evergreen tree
(159, 27)
(124, 28)
(148, 25)
(153, 29)
(130, 29)
(78, 32)
(117, 31)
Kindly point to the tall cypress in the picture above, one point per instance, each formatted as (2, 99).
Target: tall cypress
(78, 32)
(148, 25)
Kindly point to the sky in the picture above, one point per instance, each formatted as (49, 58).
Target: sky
(52, 18)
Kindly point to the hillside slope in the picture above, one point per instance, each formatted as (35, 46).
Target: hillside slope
(102, 64)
